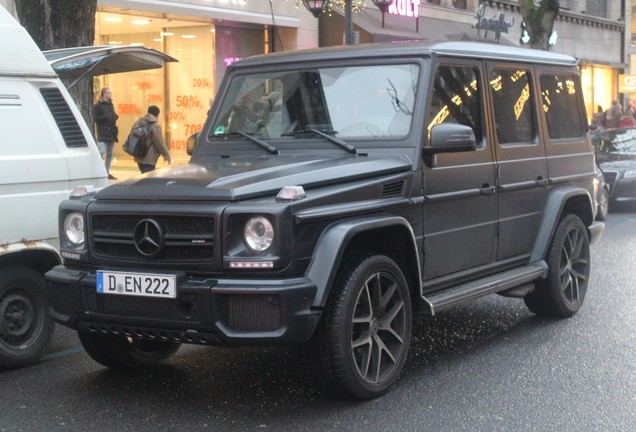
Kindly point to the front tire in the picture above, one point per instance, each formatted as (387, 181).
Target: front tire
(366, 331)
(562, 292)
(126, 353)
(25, 323)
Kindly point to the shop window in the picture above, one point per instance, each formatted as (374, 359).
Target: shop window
(596, 8)
(459, 4)
(512, 103)
(456, 98)
(561, 106)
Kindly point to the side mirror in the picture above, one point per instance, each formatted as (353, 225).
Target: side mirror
(192, 143)
(451, 138)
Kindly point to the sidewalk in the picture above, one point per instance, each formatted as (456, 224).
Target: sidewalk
(125, 168)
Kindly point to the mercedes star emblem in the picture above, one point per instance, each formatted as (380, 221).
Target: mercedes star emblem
(149, 238)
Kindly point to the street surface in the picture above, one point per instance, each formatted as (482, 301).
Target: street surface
(487, 366)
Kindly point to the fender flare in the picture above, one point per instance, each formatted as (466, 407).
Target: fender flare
(332, 243)
(36, 249)
(551, 214)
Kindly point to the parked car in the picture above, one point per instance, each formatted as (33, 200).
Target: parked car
(616, 156)
(47, 151)
(332, 194)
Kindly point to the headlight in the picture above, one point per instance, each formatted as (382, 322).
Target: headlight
(629, 174)
(74, 228)
(258, 234)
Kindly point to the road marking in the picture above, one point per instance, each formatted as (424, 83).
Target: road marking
(64, 353)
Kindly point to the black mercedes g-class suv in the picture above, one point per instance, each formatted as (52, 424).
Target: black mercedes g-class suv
(332, 194)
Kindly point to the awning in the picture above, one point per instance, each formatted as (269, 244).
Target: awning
(398, 28)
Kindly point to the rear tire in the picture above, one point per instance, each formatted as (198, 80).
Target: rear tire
(603, 206)
(25, 323)
(562, 292)
(126, 353)
(365, 334)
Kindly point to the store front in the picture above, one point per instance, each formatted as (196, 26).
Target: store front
(205, 38)
(599, 87)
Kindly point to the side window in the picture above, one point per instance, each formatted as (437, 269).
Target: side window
(561, 106)
(456, 98)
(512, 101)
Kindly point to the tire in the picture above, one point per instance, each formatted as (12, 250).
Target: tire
(25, 323)
(365, 333)
(562, 292)
(603, 205)
(126, 353)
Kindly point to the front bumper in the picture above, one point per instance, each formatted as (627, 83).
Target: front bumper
(206, 310)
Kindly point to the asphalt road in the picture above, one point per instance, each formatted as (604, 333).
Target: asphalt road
(488, 366)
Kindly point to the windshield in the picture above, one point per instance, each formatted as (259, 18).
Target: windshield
(346, 102)
(615, 144)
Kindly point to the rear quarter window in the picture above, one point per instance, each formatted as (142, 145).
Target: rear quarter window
(561, 106)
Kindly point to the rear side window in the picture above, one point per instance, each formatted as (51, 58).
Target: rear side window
(561, 106)
(512, 101)
(455, 98)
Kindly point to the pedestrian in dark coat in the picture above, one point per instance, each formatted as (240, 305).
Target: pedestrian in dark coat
(105, 123)
(154, 142)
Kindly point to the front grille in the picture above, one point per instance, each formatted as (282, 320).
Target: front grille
(184, 308)
(610, 178)
(187, 238)
(249, 313)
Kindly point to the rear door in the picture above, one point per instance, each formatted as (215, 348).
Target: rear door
(522, 176)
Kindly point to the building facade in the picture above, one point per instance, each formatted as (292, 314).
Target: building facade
(208, 35)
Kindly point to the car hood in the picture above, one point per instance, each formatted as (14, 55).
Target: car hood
(238, 179)
(619, 165)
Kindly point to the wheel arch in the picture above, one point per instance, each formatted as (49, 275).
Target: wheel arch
(561, 201)
(40, 256)
(386, 235)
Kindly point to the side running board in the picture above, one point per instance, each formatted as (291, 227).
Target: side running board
(456, 295)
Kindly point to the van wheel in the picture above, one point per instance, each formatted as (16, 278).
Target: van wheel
(365, 333)
(126, 353)
(25, 324)
(561, 293)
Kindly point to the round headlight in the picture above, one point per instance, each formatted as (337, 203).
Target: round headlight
(258, 234)
(74, 228)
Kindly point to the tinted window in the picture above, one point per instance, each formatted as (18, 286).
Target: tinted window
(513, 102)
(561, 106)
(455, 98)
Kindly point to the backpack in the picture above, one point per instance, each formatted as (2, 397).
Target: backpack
(135, 144)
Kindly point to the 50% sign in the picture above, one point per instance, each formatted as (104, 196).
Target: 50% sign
(188, 101)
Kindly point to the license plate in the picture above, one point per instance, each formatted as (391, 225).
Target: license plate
(136, 284)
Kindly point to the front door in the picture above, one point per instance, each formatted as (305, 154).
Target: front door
(459, 217)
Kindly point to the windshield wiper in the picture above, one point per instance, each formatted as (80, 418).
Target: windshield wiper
(270, 148)
(340, 143)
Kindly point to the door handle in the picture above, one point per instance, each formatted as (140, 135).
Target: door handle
(486, 189)
(540, 182)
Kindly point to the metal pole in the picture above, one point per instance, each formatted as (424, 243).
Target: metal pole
(349, 39)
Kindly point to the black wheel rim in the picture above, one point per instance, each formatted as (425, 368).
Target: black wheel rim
(574, 268)
(379, 327)
(18, 319)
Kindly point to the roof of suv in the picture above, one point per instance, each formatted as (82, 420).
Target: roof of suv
(415, 48)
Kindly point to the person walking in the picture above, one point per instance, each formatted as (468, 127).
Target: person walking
(154, 141)
(105, 122)
(613, 115)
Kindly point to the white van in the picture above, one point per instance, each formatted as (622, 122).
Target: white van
(46, 150)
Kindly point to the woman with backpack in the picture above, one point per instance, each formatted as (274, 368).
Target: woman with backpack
(154, 141)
